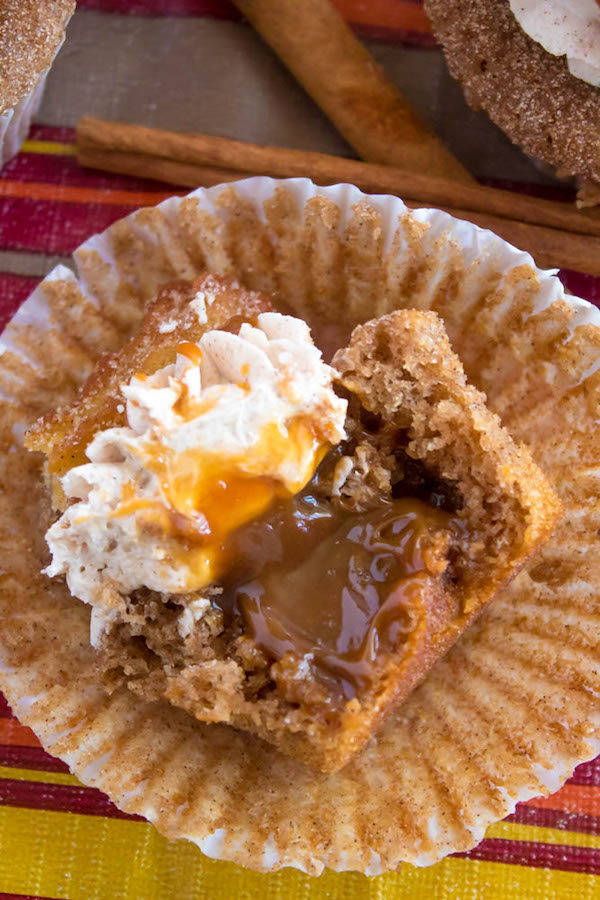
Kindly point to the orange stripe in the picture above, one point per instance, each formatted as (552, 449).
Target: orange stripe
(400, 14)
(15, 734)
(61, 193)
(575, 798)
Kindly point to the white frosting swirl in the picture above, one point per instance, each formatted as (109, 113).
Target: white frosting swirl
(243, 418)
(568, 28)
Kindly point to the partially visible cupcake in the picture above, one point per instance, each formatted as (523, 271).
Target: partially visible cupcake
(31, 34)
(534, 67)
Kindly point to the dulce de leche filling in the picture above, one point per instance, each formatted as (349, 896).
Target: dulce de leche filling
(320, 585)
(204, 498)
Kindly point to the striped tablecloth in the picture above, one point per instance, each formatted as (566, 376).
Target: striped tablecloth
(61, 840)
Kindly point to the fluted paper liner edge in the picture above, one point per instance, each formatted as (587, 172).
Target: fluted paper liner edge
(504, 717)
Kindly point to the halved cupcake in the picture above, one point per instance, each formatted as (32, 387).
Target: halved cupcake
(31, 34)
(534, 67)
(274, 544)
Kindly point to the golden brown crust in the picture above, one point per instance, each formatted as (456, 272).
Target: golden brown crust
(30, 34)
(403, 370)
(528, 92)
(63, 434)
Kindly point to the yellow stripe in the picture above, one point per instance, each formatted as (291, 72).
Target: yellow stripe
(65, 855)
(49, 148)
(35, 775)
(462, 878)
(512, 831)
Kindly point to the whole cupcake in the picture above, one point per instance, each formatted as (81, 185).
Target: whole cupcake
(31, 34)
(534, 67)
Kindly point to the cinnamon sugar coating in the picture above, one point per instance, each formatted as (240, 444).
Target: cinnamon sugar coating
(30, 33)
(527, 91)
(402, 369)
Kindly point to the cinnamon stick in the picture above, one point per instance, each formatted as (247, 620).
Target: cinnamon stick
(588, 193)
(94, 135)
(153, 167)
(342, 77)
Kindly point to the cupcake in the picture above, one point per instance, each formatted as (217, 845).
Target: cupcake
(208, 297)
(285, 547)
(534, 67)
(31, 34)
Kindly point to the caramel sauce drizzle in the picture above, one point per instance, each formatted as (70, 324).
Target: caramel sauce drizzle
(318, 582)
(190, 351)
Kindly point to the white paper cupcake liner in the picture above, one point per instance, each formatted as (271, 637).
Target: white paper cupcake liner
(15, 123)
(505, 716)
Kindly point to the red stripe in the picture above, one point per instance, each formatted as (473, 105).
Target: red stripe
(218, 9)
(66, 193)
(17, 757)
(16, 735)
(23, 897)
(14, 289)
(65, 170)
(43, 226)
(586, 286)
(555, 818)
(559, 192)
(537, 855)
(587, 773)
(5, 709)
(583, 799)
(394, 35)
(59, 798)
